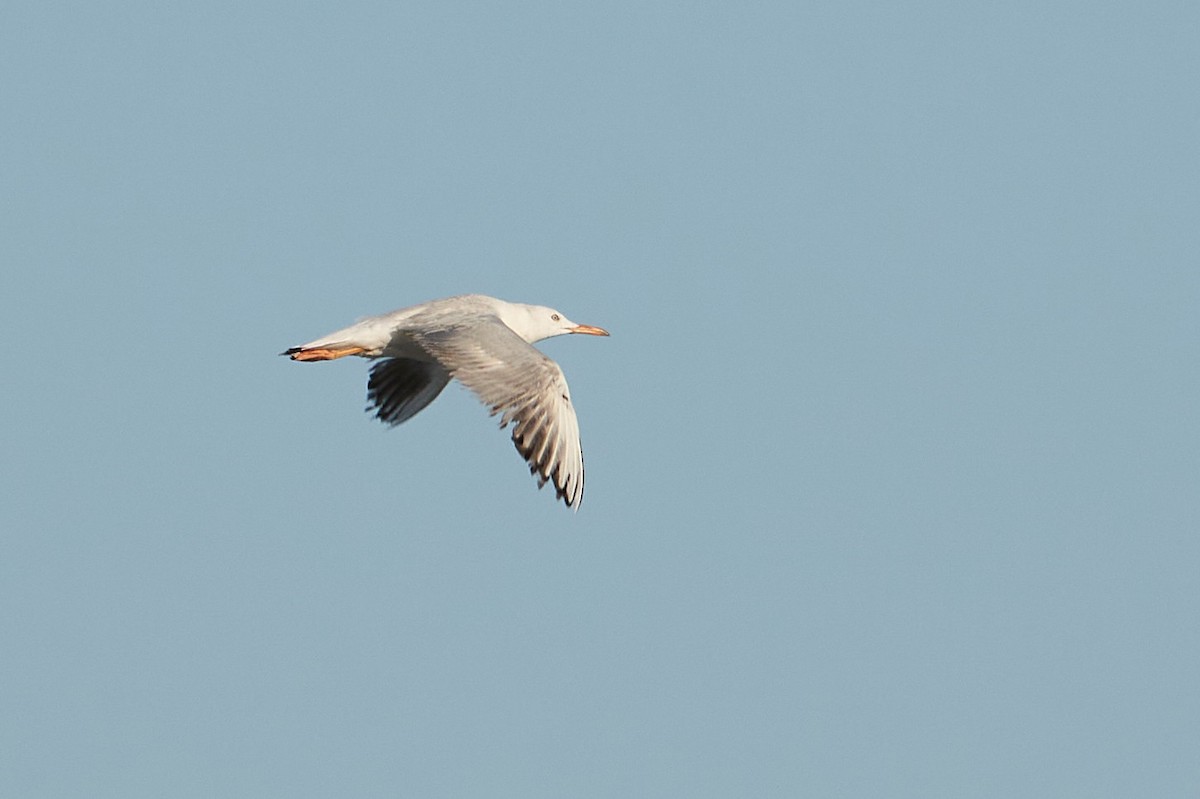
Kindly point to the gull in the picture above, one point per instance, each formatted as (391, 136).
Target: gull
(486, 344)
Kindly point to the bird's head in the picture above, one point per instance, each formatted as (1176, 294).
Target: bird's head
(537, 322)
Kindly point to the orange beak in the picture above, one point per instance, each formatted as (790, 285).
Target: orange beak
(589, 330)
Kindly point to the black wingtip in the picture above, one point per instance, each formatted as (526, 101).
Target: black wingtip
(291, 350)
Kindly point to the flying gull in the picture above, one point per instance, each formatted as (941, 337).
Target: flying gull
(486, 344)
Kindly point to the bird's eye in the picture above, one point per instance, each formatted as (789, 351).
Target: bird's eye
(555, 317)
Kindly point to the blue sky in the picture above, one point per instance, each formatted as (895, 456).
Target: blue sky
(892, 454)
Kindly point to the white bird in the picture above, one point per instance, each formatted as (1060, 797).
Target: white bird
(486, 344)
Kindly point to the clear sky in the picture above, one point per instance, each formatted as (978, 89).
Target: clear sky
(892, 455)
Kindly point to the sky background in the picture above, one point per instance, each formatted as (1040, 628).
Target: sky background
(892, 455)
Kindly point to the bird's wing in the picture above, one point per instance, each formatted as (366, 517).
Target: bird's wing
(521, 384)
(400, 387)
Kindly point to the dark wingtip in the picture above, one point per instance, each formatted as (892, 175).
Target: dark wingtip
(291, 351)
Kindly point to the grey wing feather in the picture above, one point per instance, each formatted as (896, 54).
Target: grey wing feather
(399, 388)
(525, 387)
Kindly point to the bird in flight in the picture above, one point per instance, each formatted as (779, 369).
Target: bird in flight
(486, 344)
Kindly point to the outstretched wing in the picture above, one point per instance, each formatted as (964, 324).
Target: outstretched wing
(399, 388)
(525, 387)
